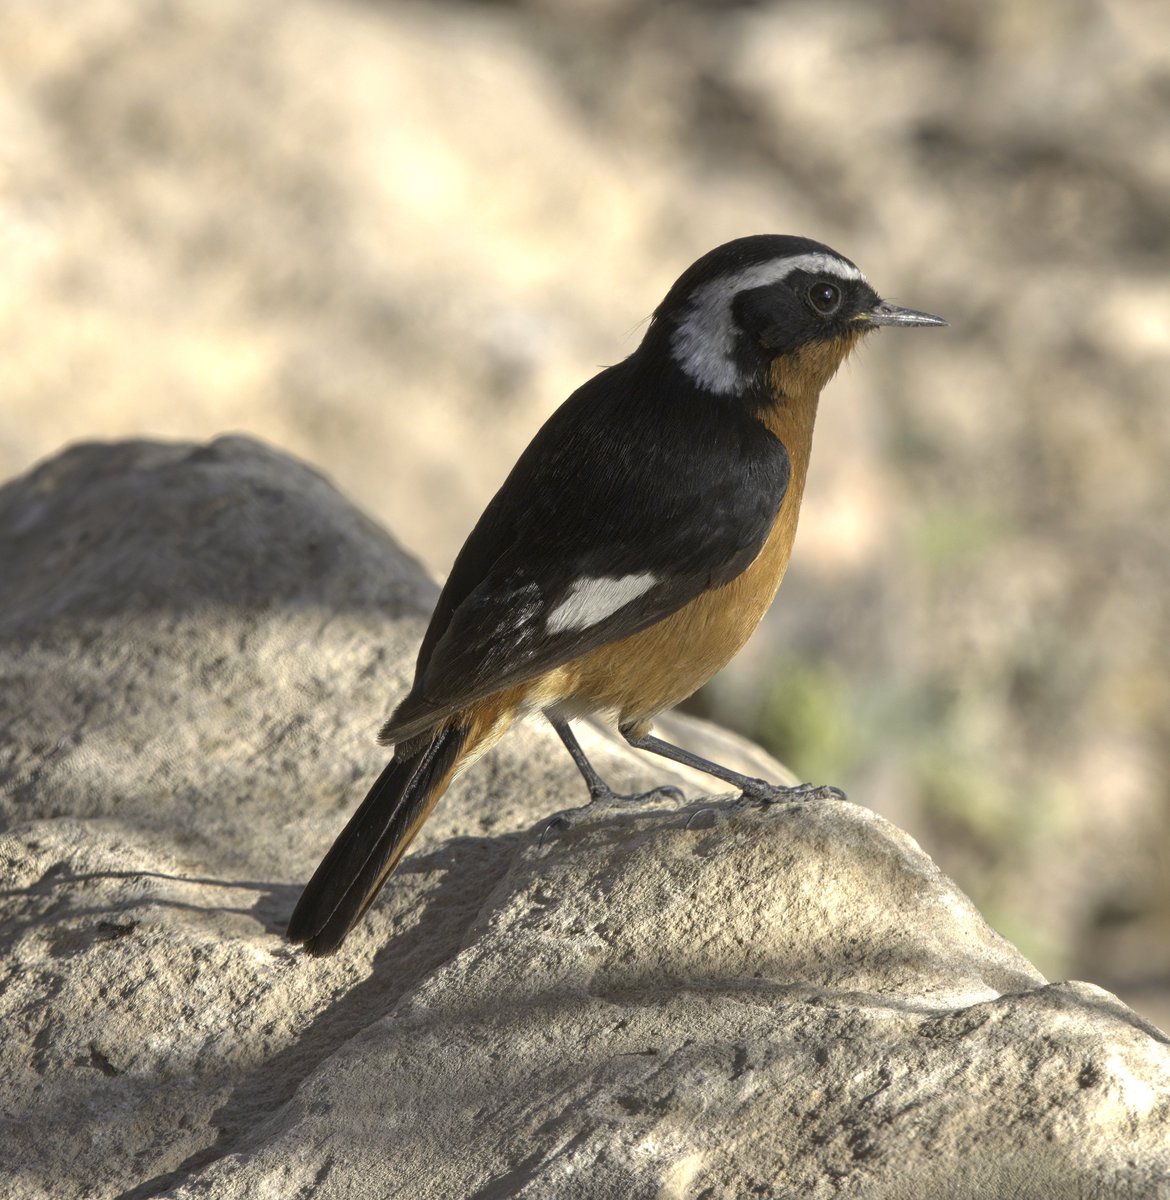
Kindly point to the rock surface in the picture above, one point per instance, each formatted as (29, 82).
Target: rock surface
(707, 999)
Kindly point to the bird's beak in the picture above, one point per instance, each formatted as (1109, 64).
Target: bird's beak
(890, 314)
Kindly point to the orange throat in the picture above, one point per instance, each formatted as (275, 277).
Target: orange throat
(800, 377)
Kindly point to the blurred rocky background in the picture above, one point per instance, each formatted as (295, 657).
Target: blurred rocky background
(391, 237)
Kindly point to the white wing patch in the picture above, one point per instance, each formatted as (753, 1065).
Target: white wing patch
(591, 600)
(704, 342)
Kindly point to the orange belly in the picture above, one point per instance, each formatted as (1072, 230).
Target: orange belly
(648, 672)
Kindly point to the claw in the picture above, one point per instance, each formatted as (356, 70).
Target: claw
(558, 822)
(669, 792)
(702, 818)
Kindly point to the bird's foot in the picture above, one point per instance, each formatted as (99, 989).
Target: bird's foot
(609, 796)
(604, 795)
(763, 792)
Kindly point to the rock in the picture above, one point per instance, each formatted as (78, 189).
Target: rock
(196, 647)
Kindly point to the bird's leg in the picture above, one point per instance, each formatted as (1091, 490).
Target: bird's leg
(753, 789)
(598, 788)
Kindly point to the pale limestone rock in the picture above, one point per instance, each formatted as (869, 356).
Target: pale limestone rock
(708, 999)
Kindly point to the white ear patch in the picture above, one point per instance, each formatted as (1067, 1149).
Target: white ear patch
(704, 342)
(592, 600)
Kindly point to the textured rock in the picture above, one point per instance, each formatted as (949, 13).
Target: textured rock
(710, 999)
(788, 1002)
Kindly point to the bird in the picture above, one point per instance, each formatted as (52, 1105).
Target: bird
(630, 552)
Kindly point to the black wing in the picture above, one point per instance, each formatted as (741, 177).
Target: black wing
(660, 492)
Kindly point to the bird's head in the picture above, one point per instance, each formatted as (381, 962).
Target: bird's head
(770, 314)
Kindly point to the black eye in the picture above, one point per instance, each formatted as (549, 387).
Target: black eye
(825, 298)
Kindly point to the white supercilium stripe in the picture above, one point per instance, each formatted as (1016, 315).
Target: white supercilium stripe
(592, 600)
(704, 342)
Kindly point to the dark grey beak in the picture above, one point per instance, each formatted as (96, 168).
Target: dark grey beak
(890, 314)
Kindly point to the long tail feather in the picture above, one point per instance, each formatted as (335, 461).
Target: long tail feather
(371, 845)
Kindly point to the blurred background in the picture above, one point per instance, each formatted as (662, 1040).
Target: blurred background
(392, 237)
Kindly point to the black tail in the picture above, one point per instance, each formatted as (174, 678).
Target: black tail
(373, 842)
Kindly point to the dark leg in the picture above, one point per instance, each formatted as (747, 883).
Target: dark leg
(753, 789)
(598, 788)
